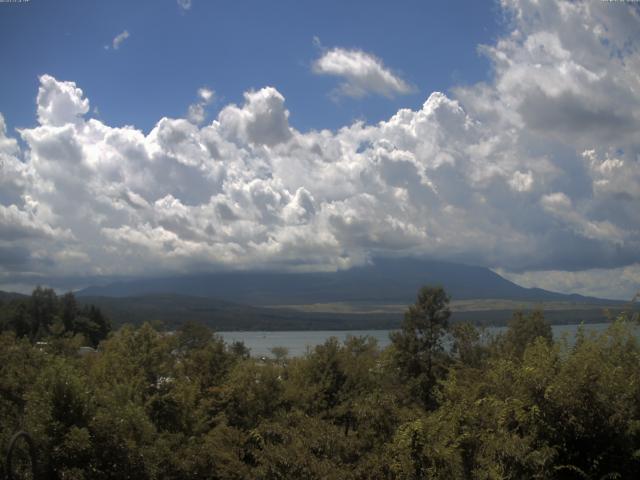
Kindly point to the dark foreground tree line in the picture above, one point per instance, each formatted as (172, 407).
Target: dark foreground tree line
(148, 405)
(45, 315)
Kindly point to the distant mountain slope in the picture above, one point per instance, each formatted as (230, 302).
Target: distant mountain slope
(385, 281)
(7, 296)
(170, 311)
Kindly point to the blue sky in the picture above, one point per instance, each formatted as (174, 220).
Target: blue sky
(234, 46)
(169, 137)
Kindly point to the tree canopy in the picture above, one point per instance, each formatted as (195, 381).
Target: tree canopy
(149, 405)
(44, 315)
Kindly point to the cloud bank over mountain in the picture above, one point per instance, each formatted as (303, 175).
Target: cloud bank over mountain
(537, 170)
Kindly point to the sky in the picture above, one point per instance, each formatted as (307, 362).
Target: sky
(169, 137)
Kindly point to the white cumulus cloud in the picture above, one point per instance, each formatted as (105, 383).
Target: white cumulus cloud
(205, 94)
(196, 113)
(60, 103)
(362, 74)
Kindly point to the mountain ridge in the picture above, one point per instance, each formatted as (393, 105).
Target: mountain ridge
(383, 281)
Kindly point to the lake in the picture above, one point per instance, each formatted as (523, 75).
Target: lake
(260, 343)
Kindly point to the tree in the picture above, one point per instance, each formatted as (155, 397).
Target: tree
(18, 319)
(467, 345)
(68, 311)
(239, 350)
(280, 353)
(42, 308)
(419, 341)
(92, 324)
(193, 335)
(523, 331)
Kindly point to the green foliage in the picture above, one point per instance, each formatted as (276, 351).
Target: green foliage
(418, 344)
(44, 316)
(280, 353)
(522, 331)
(58, 412)
(425, 448)
(468, 347)
(151, 405)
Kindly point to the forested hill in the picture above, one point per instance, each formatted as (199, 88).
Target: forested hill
(171, 311)
(7, 296)
(384, 281)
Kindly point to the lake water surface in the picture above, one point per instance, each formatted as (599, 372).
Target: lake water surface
(297, 342)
